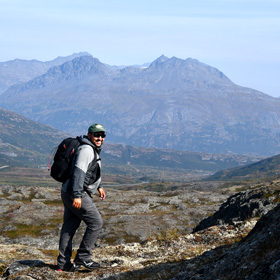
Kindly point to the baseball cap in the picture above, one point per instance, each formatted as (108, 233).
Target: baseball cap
(96, 128)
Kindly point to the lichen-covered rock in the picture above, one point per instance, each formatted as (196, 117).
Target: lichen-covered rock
(242, 206)
(255, 257)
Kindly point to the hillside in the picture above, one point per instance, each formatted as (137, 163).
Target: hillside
(27, 143)
(24, 142)
(174, 103)
(265, 168)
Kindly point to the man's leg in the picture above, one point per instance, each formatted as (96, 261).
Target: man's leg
(92, 218)
(71, 222)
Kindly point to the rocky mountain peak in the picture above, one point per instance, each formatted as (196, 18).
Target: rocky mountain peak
(158, 61)
(189, 73)
(21, 71)
(61, 59)
(69, 72)
(80, 66)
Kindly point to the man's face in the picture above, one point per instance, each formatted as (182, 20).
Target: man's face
(97, 138)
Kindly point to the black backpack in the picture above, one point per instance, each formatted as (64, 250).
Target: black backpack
(60, 169)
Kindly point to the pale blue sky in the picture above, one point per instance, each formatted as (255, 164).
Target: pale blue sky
(239, 37)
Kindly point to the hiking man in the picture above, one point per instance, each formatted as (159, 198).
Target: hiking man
(76, 193)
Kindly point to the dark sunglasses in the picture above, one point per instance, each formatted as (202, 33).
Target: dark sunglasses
(98, 134)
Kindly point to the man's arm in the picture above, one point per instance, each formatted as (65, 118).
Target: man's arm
(84, 157)
(77, 202)
(82, 160)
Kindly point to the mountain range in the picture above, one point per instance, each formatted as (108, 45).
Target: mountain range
(27, 143)
(173, 103)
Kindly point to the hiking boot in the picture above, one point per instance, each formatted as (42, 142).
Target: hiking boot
(90, 264)
(69, 268)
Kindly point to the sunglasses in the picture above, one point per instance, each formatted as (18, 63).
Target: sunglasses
(99, 134)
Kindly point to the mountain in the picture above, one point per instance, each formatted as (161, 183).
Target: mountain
(174, 103)
(20, 71)
(268, 167)
(24, 142)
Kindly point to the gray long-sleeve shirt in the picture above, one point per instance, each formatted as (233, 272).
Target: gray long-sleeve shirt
(86, 170)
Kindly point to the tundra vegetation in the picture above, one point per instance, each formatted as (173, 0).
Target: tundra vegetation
(149, 230)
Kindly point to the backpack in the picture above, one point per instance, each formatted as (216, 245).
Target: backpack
(60, 169)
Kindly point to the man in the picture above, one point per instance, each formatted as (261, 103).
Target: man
(76, 193)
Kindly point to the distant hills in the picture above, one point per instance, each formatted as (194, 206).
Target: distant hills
(269, 167)
(24, 142)
(172, 104)
(27, 143)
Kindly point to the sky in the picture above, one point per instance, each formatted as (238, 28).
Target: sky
(239, 37)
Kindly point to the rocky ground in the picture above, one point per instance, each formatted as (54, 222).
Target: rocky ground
(146, 235)
(129, 216)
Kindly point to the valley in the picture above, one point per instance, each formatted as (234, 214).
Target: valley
(190, 166)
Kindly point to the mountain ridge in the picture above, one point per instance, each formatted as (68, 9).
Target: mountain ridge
(265, 168)
(19, 70)
(173, 103)
(36, 141)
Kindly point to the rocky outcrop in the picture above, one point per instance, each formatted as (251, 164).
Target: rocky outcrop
(242, 206)
(255, 257)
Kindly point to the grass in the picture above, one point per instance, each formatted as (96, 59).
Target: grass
(23, 229)
(167, 235)
(54, 202)
(275, 195)
(34, 230)
(19, 176)
(50, 253)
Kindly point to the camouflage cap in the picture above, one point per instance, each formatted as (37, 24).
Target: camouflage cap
(96, 128)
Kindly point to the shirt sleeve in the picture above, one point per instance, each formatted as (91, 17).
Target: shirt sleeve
(84, 157)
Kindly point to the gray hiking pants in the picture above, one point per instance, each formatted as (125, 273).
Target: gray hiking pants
(71, 221)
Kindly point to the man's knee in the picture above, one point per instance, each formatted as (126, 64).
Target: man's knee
(98, 223)
(94, 222)
(101, 223)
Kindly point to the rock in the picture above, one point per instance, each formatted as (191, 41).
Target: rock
(24, 277)
(22, 265)
(255, 257)
(5, 205)
(242, 206)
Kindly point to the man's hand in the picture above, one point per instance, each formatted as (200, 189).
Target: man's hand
(77, 203)
(102, 194)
